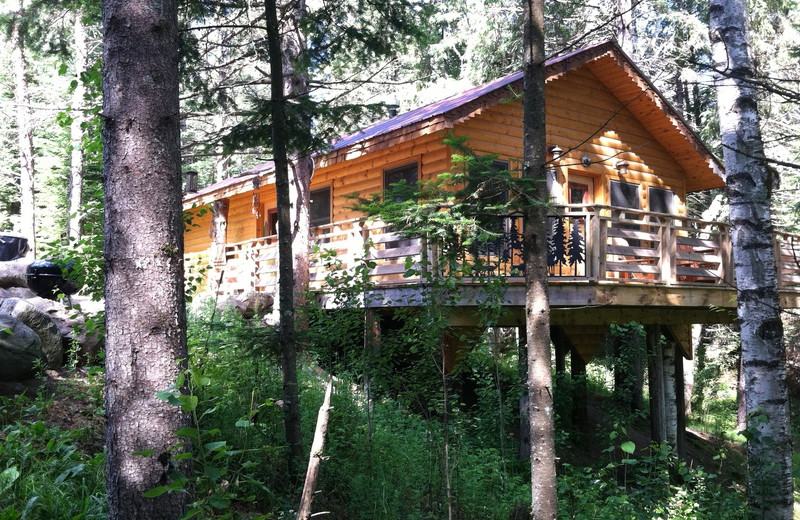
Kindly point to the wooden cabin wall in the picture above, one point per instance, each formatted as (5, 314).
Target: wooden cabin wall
(363, 176)
(579, 107)
(197, 237)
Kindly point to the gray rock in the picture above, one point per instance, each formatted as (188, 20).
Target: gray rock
(41, 323)
(251, 304)
(20, 349)
(19, 292)
(12, 273)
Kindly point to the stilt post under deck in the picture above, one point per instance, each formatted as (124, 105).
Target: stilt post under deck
(655, 372)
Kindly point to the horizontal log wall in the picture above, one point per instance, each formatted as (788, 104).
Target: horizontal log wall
(581, 114)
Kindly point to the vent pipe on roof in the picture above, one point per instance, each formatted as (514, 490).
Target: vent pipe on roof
(191, 181)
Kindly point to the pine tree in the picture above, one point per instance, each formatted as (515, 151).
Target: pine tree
(144, 293)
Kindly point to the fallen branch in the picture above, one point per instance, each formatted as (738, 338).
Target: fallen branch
(315, 459)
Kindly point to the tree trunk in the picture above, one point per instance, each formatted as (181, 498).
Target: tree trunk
(22, 103)
(144, 298)
(286, 334)
(623, 26)
(769, 449)
(75, 189)
(544, 504)
(295, 88)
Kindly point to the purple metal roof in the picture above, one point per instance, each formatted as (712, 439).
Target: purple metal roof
(427, 112)
(411, 117)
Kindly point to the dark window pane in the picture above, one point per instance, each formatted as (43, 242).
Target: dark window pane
(660, 200)
(320, 211)
(407, 173)
(624, 195)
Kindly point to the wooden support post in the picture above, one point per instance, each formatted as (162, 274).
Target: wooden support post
(557, 337)
(680, 405)
(668, 357)
(580, 407)
(655, 373)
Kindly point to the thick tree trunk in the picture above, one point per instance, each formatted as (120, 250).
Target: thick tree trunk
(537, 306)
(24, 128)
(75, 190)
(286, 335)
(145, 314)
(295, 88)
(769, 446)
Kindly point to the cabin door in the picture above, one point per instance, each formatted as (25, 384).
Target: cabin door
(580, 190)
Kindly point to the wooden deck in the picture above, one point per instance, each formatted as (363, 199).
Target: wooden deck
(600, 258)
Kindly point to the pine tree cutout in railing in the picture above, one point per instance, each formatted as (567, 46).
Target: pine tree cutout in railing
(515, 244)
(575, 247)
(556, 250)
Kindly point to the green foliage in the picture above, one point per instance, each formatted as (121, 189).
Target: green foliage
(43, 474)
(651, 485)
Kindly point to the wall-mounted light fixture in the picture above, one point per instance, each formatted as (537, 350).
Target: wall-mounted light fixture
(586, 160)
(191, 180)
(622, 167)
(556, 152)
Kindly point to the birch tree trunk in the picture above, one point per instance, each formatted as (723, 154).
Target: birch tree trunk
(24, 128)
(75, 190)
(537, 306)
(144, 298)
(769, 449)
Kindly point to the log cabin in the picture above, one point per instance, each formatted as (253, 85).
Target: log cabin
(622, 162)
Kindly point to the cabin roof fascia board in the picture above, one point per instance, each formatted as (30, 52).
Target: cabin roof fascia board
(606, 61)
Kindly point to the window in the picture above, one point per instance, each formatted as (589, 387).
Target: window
(407, 173)
(271, 224)
(661, 200)
(320, 210)
(624, 195)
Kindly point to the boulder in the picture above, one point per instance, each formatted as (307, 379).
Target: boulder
(12, 273)
(250, 304)
(41, 323)
(71, 323)
(20, 349)
(22, 293)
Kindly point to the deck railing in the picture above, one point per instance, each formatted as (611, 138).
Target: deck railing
(586, 243)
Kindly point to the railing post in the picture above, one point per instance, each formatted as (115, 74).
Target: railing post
(599, 246)
(778, 259)
(668, 252)
(726, 257)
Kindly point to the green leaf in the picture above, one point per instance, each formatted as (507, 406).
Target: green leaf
(219, 502)
(188, 402)
(186, 432)
(143, 453)
(182, 456)
(215, 446)
(628, 447)
(212, 472)
(243, 423)
(7, 478)
(155, 492)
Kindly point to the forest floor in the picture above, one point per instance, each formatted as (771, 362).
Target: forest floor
(75, 402)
